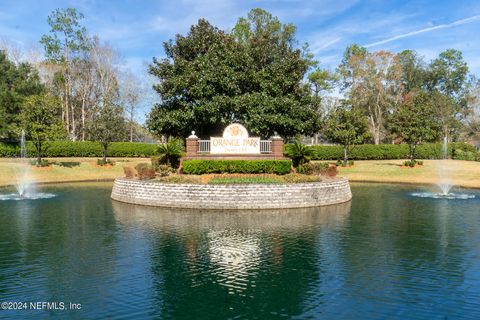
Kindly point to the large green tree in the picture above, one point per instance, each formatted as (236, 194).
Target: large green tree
(17, 82)
(413, 70)
(107, 126)
(40, 117)
(373, 84)
(345, 69)
(347, 127)
(254, 76)
(416, 121)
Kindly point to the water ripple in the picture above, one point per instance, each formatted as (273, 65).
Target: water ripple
(33, 196)
(386, 255)
(448, 196)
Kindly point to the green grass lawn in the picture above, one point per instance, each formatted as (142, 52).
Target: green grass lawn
(66, 170)
(462, 173)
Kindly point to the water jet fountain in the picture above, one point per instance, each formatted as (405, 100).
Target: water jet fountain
(444, 181)
(23, 183)
(22, 179)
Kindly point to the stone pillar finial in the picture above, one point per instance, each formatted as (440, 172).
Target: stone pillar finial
(275, 135)
(192, 145)
(192, 136)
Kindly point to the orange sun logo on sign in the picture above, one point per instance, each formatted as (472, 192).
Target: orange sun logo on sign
(235, 131)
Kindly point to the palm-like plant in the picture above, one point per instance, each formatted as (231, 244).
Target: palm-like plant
(299, 153)
(170, 153)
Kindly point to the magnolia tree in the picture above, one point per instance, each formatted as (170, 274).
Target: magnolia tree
(17, 82)
(347, 127)
(416, 121)
(253, 75)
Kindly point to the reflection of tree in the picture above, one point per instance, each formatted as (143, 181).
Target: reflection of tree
(224, 264)
(402, 251)
(61, 249)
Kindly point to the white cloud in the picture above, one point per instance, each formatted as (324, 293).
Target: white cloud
(348, 31)
(319, 45)
(433, 28)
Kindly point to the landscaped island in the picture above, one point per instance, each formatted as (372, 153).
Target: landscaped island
(234, 171)
(231, 196)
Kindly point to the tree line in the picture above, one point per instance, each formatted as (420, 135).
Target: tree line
(77, 91)
(258, 74)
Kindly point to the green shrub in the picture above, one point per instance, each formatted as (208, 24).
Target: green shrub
(299, 153)
(170, 153)
(183, 178)
(244, 180)
(389, 151)
(9, 150)
(131, 149)
(161, 166)
(313, 168)
(156, 162)
(466, 155)
(101, 162)
(340, 163)
(409, 163)
(300, 178)
(82, 149)
(67, 164)
(236, 166)
(42, 163)
(412, 163)
(164, 170)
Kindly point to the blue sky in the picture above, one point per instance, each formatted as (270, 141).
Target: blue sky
(138, 28)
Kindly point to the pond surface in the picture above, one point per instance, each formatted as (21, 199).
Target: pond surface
(384, 255)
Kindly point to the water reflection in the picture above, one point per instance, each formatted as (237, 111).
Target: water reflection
(189, 219)
(409, 258)
(239, 263)
(384, 255)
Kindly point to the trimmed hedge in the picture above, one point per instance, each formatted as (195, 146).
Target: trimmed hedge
(82, 149)
(137, 149)
(236, 166)
(467, 155)
(389, 151)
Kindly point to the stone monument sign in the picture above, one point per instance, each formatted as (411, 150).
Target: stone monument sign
(235, 140)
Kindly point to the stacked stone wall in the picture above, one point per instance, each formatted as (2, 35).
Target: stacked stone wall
(247, 196)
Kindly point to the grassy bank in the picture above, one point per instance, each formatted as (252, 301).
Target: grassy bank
(67, 170)
(462, 173)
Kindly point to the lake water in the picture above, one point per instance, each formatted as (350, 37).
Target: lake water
(384, 255)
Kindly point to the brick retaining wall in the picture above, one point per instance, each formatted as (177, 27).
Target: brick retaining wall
(247, 196)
